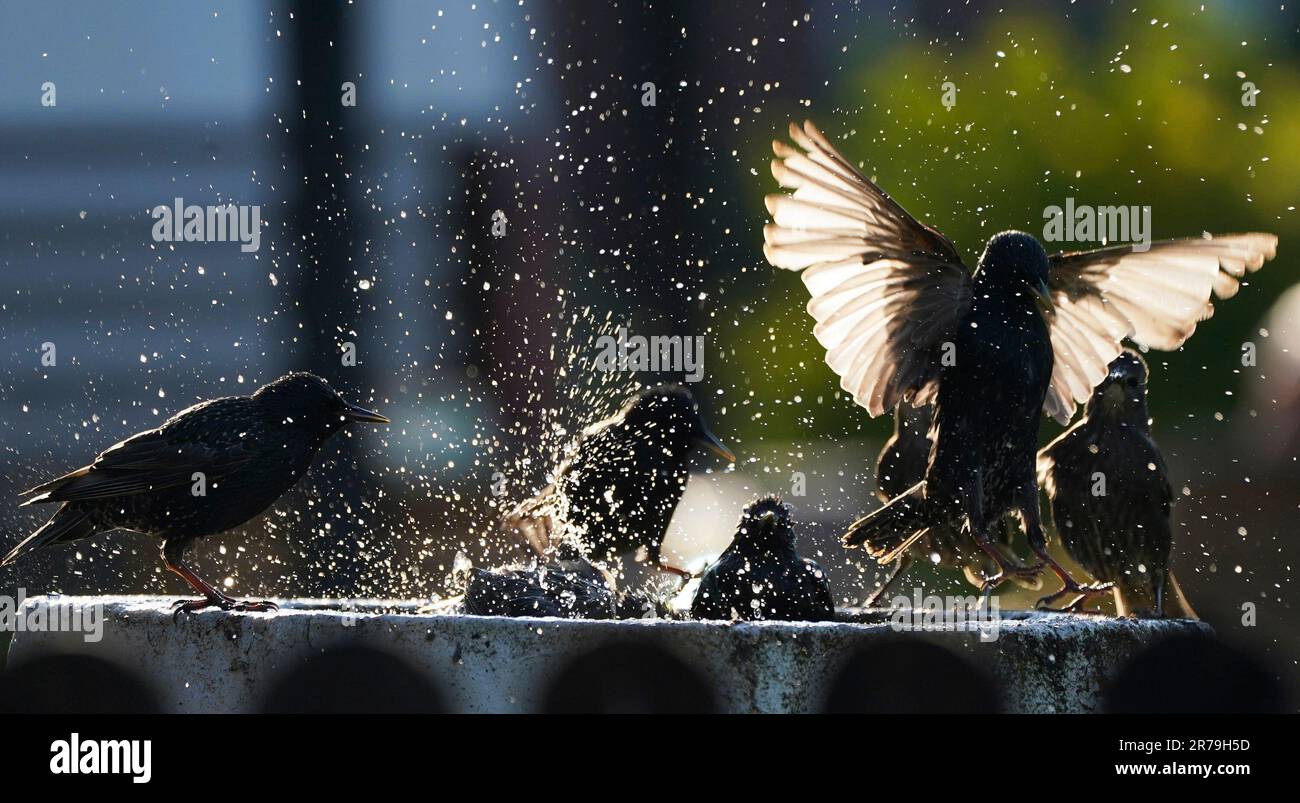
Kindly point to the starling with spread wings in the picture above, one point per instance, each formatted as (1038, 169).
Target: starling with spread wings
(904, 321)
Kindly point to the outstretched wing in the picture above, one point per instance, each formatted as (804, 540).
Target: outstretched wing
(152, 460)
(886, 290)
(1155, 297)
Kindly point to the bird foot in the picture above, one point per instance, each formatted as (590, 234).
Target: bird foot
(224, 603)
(990, 583)
(1083, 592)
(684, 574)
(1007, 571)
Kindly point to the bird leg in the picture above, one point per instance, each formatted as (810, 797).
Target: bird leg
(896, 571)
(212, 596)
(1084, 591)
(654, 557)
(1006, 566)
(1038, 543)
(682, 573)
(972, 503)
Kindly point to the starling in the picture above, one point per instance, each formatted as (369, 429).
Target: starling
(902, 464)
(761, 576)
(622, 480)
(566, 589)
(1110, 495)
(207, 469)
(903, 320)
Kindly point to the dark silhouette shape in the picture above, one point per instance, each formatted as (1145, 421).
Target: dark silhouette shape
(1118, 531)
(74, 684)
(354, 680)
(904, 321)
(1194, 674)
(325, 141)
(243, 452)
(623, 678)
(761, 576)
(568, 589)
(901, 465)
(621, 480)
(910, 676)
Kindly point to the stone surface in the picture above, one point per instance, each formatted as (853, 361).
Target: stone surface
(226, 662)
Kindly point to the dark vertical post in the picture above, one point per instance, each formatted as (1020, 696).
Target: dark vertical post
(328, 311)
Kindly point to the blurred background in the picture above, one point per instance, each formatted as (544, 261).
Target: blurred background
(378, 232)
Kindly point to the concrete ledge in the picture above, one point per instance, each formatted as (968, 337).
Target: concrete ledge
(230, 662)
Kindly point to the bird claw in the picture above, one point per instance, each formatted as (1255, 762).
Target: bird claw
(1006, 572)
(990, 583)
(1084, 592)
(224, 603)
(684, 574)
(249, 606)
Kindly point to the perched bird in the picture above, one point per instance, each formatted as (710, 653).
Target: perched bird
(1110, 495)
(761, 576)
(623, 477)
(901, 465)
(567, 589)
(207, 469)
(904, 321)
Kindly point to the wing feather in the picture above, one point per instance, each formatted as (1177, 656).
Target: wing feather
(156, 459)
(885, 289)
(1155, 297)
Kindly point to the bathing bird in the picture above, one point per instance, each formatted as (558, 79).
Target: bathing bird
(565, 589)
(904, 321)
(621, 479)
(761, 576)
(1110, 497)
(206, 470)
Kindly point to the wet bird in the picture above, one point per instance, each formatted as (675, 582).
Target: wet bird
(207, 469)
(1110, 496)
(901, 465)
(617, 489)
(904, 320)
(566, 589)
(761, 576)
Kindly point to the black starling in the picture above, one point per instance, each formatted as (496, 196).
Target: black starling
(567, 589)
(207, 469)
(623, 477)
(903, 320)
(902, 464)
(761, 576)
(1110, 495)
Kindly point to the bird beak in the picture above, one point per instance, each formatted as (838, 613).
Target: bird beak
(361, 415)
(1043, 296)
(710, 441)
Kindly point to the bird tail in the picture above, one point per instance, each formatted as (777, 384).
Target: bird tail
(887, 532)
(1175, 601)
(45, 491)
(1142, 599)
(65, 525)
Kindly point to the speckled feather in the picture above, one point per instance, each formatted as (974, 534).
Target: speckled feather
(623, 477)
(761, 576)
(248, 449)
(1123, 535)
